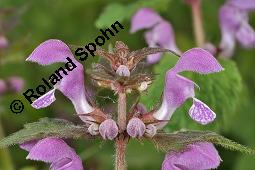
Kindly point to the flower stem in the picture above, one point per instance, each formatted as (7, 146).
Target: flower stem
(122, 111)
(197, 22)
(120, 161)
(121, 141)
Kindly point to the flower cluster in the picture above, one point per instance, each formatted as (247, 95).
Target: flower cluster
(234, 25)
(121, 77)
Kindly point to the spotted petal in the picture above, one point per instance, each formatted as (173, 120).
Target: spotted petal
(201, 113)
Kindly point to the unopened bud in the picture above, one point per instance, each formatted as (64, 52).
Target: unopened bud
(122, 70)
(108, 129)
(135, 128)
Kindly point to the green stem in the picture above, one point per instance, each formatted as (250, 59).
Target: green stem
(6, 161)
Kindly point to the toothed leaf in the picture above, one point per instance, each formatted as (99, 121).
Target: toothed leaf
(45, 127)
(179, 141)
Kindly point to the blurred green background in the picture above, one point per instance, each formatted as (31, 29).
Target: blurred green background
(78, 22)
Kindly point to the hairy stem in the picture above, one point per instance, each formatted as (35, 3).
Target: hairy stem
(120, 161)
(197, 22)
(122, 112)
(121, 141)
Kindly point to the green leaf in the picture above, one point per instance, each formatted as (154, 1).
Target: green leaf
(108, 17)
(179, 141)
(119, 12)
(45, 127)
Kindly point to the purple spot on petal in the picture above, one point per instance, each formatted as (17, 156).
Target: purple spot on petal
(201, 113)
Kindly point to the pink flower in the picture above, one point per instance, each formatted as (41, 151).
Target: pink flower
(3, 42)
(13, 84)
(178, 88)
(234, 23)
(3, 86)
(54, 151)
(197, 156)
(71, 85)
(16, 83)
(160, 33)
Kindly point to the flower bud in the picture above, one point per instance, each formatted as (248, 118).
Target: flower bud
(123, 71)
(135, 128)
(108, 129)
